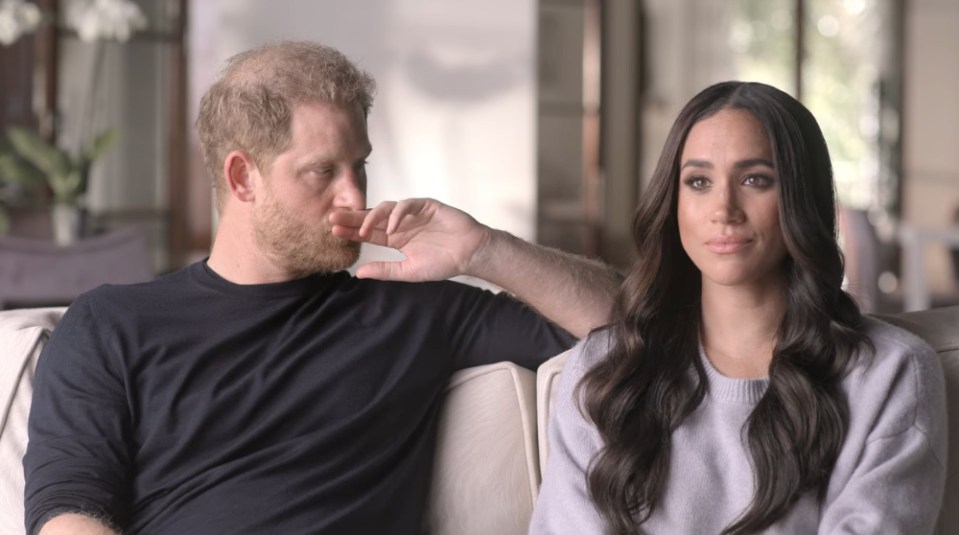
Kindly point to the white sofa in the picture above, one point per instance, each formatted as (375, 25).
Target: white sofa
(490, 451)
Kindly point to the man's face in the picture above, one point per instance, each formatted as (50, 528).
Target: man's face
(323, 170)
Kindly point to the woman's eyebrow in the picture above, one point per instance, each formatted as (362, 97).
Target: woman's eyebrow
(697, 163)
(752, 162)
(742, 164)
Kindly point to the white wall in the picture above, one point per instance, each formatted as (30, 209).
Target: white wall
(931, 126)
(455, 111)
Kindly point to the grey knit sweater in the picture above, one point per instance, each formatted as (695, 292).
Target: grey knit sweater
(888, 478)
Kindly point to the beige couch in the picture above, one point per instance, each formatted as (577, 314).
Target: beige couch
(490, 451)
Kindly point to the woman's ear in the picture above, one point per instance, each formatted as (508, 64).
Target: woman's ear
(238, 170)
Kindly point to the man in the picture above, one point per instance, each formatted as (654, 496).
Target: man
(264, 389)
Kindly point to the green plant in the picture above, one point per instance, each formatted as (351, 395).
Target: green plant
(18, 180)
(66, 174)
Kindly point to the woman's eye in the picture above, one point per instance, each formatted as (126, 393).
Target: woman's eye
(696, 182)
(759, 181)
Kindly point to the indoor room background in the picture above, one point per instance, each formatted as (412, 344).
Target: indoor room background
(543, 118)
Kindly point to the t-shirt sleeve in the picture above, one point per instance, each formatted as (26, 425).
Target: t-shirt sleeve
(489, 327)
(78, 451)
(564, 505)
(896, 485)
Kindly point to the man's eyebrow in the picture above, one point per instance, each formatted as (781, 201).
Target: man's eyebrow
(742, 164)
(312, 163)
(323, 160)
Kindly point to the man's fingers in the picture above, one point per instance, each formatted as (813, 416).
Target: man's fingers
(376, 236)
(405, 208)
(350, 218)
(376, 217)
(402, 209)
(382, 270)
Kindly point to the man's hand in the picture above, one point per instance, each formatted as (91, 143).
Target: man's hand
(439, 241)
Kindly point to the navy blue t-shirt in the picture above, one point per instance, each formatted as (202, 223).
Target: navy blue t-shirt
(193, 405)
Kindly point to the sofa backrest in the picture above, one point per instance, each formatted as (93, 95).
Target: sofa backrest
(939, 327)
(22, 335)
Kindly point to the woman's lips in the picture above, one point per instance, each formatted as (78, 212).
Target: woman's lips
(728, 244)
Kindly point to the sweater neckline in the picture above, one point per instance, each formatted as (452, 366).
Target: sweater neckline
(732, 389)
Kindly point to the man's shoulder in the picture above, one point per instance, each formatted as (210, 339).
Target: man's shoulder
(423, 291)
(120, 304)
(167, 285)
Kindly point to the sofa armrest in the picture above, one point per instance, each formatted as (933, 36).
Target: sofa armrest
(22, 335)
(485, 473)
(547, 381)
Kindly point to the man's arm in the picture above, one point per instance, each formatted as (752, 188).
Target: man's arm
(75, 524)
(440, 242)
(77, 457)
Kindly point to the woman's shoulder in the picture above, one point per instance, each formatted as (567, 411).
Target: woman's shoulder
(893, 345)
(900, 374)
(590, 350)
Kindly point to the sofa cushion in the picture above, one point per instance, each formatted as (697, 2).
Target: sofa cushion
(22, 335)
(485, 473)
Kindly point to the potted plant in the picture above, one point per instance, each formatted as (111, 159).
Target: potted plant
(66, 172)
(19, 181)
(67, 175)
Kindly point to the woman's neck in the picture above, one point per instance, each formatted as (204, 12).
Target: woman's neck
(739, 328)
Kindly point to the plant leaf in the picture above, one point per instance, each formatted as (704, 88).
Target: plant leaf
(103, 142)
(4, 221)
(51, 160)
(14, 169)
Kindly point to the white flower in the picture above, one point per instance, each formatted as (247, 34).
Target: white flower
(104, 19)
(16, 19)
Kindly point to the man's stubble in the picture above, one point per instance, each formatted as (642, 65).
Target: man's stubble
(299, 246)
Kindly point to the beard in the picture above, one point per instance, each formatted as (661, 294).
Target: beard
(299, 247)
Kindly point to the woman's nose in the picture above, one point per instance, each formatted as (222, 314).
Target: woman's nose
(726, 208)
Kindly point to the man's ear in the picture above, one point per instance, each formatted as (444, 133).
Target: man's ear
(238, 169)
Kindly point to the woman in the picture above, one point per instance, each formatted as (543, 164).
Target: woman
(738, 388)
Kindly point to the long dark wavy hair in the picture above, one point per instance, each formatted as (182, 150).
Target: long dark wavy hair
(643, 389)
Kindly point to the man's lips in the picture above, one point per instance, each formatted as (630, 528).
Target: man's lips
(728, 244)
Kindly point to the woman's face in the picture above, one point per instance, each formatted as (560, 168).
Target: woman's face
(729, 202)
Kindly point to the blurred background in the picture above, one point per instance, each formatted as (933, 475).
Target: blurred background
(542, 117)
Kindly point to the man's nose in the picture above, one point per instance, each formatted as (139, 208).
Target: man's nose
(351, 191)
